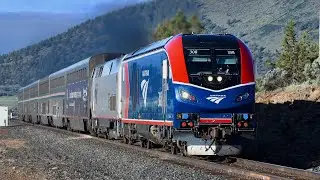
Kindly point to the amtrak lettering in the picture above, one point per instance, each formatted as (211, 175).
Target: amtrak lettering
(75, 95)
(79, 94)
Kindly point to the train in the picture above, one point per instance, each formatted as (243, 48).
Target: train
(193, 94)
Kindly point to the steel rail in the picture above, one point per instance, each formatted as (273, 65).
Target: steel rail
(278, 168)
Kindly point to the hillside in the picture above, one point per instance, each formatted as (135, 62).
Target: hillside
(288, 126)
(22, 28)
(120, 31)
(259, 22)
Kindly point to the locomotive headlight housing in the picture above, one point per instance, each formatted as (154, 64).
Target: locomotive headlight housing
(210, 78)
(242, 97)
(245, 122)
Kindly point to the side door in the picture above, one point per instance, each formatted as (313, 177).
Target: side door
(94, 90)
(165, 69)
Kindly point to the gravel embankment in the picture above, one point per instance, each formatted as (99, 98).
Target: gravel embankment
(31, 152)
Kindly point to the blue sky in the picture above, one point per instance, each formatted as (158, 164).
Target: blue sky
(56, 6)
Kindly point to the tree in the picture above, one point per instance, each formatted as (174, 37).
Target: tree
(308, 50)
(269, 64)
(288, 58)
(196, 25)
(297, 61)
(296, 53)
(176, 25)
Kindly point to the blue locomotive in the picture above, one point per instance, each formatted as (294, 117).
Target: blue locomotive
(192, 93)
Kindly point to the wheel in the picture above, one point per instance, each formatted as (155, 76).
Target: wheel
(131, 141)
(149, 144)
(93, 133)
(68, 126)
(174, 148)
(142, 144)
(183, 152)
(126, 140)
(106, 136)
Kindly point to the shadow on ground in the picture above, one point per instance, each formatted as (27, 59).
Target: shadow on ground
(289, 134)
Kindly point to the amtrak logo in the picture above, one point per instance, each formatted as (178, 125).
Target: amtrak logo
(216, 98)
(144, 90)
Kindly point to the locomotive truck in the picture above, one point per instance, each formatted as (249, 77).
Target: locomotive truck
(191, 93)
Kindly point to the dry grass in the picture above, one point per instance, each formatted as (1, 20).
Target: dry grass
(289, 94)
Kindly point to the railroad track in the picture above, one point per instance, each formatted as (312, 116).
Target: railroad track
(233, 166)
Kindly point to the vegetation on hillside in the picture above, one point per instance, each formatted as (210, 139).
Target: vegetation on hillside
(122, 31)
(260, 23)
(129, 28)
(298, 61)
(176, 25)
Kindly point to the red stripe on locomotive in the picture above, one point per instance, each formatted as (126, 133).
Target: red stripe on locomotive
(215, 120)
(148, 122)
(247, 74)
(177, 62)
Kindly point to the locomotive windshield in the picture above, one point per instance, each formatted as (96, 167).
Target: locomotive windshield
(221, 66)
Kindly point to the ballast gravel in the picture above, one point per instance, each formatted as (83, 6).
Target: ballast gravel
(32, 152)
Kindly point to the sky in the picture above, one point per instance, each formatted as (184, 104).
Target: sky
(25, 22)
(52, 6)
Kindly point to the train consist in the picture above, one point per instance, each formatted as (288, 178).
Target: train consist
(191, 93)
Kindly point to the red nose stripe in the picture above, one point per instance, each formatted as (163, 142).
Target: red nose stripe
(176, 59)
(247, 74)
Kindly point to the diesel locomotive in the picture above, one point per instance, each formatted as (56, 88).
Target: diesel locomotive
(191, 93)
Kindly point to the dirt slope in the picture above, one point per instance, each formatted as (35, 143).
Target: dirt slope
(290, 94)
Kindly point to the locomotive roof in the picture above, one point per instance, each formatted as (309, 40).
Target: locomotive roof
(150, 47)
(210, 40)
(221, 40)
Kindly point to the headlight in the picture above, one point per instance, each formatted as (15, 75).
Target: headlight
(219, 78)
(187, 96)
(210, 78)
